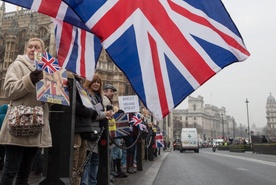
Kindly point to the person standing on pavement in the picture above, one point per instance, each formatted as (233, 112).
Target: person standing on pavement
(94, 89)
(109, 92)
(20, 89)
(83, 123)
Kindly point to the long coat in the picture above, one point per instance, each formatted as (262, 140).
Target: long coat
(19, 89)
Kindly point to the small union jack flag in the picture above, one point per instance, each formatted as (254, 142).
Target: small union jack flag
(137, 121)
(122, 125)
(159, 142)
(48, 63)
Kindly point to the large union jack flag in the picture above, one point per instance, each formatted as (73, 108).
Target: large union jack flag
(166, 48)
(77, 49)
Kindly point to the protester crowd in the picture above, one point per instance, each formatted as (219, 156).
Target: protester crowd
(19, 155)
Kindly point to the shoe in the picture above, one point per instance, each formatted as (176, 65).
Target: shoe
(112, 179)
(115, 174)
(122, 175)
(130, 170)
(134, 170)
(134, 165)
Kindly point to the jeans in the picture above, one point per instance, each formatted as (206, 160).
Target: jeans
(90, 173)
(116, 152)
(18, 163)
(124, 157)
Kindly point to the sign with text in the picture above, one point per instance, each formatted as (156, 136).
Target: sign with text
(129, 103)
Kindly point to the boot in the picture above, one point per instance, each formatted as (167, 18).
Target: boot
(118, 165)
(129, 169)
(119, 170)
(115, 174)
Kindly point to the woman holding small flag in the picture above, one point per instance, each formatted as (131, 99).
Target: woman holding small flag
(20, 89)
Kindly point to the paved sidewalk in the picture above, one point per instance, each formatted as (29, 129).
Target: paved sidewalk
(147, 176)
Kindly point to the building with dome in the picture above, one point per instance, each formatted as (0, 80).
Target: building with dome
(271, 117)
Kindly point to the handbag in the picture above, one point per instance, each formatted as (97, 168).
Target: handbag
(91, 136)
(25, 120)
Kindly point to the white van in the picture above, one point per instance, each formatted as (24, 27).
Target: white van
(189, 140)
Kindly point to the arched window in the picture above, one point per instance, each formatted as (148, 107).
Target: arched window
(43, 32)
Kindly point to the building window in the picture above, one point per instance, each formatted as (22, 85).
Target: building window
(194, 107)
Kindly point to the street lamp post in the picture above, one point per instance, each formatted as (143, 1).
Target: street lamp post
(241, 129)
(234, 130)
(248, 131)
(222, 126)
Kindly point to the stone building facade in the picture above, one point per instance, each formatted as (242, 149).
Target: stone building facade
(271, 117)
(210, 121)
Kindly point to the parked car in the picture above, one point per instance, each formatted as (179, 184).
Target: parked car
(200, 145)
(176, 145)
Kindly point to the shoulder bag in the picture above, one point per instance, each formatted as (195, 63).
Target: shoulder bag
(25, 120)
(91, 136)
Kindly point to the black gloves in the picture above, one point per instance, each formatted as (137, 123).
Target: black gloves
(36, 76)
(69, 85)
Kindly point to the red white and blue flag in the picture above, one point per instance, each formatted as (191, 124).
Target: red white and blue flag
(159, 142)
(48, 91)
(122, 125)
(53, 8)
(137, 121)
(48, 63)
(166, 48)
(77, 49)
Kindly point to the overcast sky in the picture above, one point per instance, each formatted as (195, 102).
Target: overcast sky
(254, 78)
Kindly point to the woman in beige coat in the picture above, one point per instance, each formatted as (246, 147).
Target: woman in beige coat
(19, 88)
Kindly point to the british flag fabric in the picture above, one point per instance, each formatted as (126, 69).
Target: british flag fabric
(159, 142)
(53, 87)
(137, 121)
(122, 125)
(54, 8)
(77, 49)
(52, 92)
(48, 63)
(166, 48)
